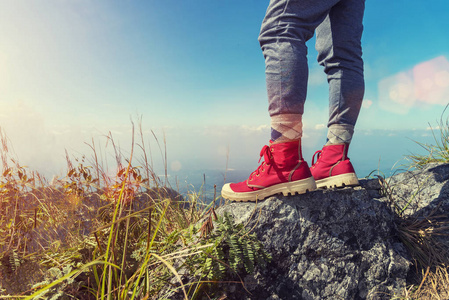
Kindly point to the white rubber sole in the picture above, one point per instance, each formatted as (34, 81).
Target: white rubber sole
(349, 179)
(296, 187)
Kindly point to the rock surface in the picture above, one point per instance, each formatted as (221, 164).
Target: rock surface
(340, 243)
(331, 244)
(426, 190)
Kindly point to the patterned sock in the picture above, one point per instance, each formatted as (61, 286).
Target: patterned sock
(339, 134)
(286, 127)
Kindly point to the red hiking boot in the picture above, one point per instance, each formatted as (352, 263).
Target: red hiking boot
(333, 168)
(282, 171)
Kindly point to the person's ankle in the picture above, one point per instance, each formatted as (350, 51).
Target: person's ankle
(339, 134)
(284, 140)
(286, 127)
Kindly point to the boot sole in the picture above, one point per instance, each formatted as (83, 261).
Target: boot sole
(296, 187)
(342, 180)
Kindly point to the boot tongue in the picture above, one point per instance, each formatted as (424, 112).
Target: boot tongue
(334, 153)
(285, 155)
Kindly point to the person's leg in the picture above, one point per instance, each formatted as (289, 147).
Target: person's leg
(340, 52)
(287, 26)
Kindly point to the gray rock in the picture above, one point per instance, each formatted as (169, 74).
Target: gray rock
(421, 191)
(331, 244)
(423, 195)
(340, 243)
(372, 186)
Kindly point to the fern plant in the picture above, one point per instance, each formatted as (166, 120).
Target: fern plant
(225, 254)
(234, 249)
(56, 292)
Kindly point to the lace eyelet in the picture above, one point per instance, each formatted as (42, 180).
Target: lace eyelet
(257, 175)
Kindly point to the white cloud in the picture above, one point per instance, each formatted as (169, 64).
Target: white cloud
(320, 126)
(432, 81)
(425, 84)
(396, 93)
(259, 129)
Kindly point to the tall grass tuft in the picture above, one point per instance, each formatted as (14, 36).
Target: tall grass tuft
(438, 152)
(426, 237)
(100, 234)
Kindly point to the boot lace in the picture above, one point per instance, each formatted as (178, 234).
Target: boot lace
(267, 157)
(317, 154)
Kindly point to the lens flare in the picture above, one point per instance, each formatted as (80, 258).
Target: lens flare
(425, 84)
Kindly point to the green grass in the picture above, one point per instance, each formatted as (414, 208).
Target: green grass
(425, 237)
(437, 152)
(96, 234)
(129, 235)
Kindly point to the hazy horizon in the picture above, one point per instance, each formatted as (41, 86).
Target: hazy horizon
(73, 71)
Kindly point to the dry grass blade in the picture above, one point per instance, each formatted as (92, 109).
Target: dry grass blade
(170, 267)
(126, 234)
(421, 237)
(208, 225)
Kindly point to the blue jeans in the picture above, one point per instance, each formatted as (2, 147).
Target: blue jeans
(288, 24)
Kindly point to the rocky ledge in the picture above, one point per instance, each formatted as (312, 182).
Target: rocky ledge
(337, 243)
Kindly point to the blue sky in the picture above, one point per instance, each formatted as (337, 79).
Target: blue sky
(74, 70)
